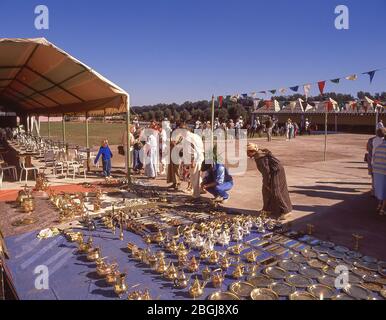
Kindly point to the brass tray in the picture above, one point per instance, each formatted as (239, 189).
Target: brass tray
(310, 272)
(302, 296)
(260, 281)
(289, 265)
(376, 287)
(367, 266)
(383, 293)
(327, 280)
(357, 291)
(351, 260)
(320, 249)
(241, 289)
(282, 289)
(335, 254)
(341, 249)
(298, 281)
(342, 296)
(223, 296)
(324, 257)
(317, 264)
(354, 254)
(321, 291)
(263, 294)
(298, 258)
(276, 272)
(309, 254)
(369, 259)
(327, 244)
(361, 272)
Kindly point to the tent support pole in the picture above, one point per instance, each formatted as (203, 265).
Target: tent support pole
(87, 143)
(336, 123)
(376, 119)
(128, 127)
(49, 127)
(212, 136)
(325, 135)
(63, 129)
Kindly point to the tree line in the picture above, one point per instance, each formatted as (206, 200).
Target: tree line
(231, 109)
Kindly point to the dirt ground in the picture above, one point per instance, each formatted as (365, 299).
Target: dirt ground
(334, 196)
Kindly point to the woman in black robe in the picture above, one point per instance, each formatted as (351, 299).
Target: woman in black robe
(277, 203)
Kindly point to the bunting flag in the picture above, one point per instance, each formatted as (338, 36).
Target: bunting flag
(245, 95)
(220, 101)
(321, 85)
(336, 81)
(272, 91)
(332, 101)
(282, 90)
(329, 106)
(353, 77)
(295, 89)
(229, 97)
(307, 89)
(253, 94)
(293, 105)
(256, 103)
(371, 75)
(263, 92)
(309, 108)
(354, 105)
(268, 103)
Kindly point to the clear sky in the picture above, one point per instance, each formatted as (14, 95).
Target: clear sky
(164, 51)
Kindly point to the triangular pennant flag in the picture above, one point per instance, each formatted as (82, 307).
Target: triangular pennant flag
(335, 80)
(293, 105)
(263, 92)
(295, 89)
(309, 108)
(268, 103)
(353, 77)
(371, 75)
(245, 95)
(228, 97)
(307, 89)
(253, 94)
(300, 101)
(332, 101)
(272, 91)
(220, 101)
(329, 106)
(321, 85)
(283, 90)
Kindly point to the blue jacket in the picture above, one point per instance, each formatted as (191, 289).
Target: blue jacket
(219, 174)
(105, 152)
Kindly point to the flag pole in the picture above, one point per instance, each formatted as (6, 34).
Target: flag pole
(325, 133)
(212, 136)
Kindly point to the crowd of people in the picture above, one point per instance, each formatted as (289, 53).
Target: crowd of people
(178, 153)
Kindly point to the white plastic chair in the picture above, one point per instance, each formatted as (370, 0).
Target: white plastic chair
(26, 170)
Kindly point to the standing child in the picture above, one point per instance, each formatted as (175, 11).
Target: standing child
(106, 154)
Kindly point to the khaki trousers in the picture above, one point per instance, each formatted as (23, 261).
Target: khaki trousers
(195, 171)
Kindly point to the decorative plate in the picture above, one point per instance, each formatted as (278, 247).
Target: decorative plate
(376, 287)
(324, 257)
(327, 244)
(275, 272)
(367, 266)
(361, 272)
(299, 258)
(241, 289)
(342, 296)
(320, 249)
(282, 289)
(309, 254)
(298, 281)
(327, 280)
(357, 291)
(341, 249)
(302, 295)
(335, 254)
(321, 291)
(263, 294)
(260, 281)
(354, 254)
(351, 260)
(310, 272)
(370, 259)
(289, 265)
(223, 296)
(315, 263)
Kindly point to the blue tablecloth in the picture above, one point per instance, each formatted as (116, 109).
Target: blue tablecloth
(73, 277)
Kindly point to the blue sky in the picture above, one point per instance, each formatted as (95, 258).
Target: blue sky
(178, 50)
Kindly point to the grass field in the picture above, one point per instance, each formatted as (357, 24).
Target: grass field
(76, 132)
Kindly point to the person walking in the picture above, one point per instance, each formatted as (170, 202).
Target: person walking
(276, 199)
(379, 172)
(269, 127)
(107, 155)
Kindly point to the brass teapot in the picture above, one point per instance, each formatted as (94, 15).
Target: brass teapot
(225, 263)
(171, 273)
(182, 281)
(217, 279)
(112, 275)
(120, 286)
(94, 254)
(196, 290)
(214, 257)
(238, 272)
(193, 265)
(206, 274)
(161, 267)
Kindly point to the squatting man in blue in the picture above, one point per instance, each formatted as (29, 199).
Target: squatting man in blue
(217, 181)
